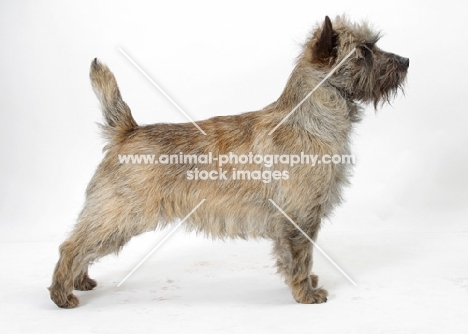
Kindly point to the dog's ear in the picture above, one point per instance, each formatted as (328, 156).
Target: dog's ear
(323, 48)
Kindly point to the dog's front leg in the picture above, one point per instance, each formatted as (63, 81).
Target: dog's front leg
(294, 260)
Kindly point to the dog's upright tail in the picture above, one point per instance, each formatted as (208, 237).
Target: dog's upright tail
(117, 115)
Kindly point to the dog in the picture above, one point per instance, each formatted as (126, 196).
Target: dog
(343, 67)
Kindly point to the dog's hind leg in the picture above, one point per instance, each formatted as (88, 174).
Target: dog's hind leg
(61, 290)
(95, 235)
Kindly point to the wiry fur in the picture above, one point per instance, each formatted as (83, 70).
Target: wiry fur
(124, 200)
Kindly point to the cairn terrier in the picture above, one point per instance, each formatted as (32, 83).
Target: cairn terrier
(127, 199)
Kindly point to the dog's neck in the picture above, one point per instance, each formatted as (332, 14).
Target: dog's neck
(324, 110)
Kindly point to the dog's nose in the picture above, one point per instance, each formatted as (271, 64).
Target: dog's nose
(404, 62)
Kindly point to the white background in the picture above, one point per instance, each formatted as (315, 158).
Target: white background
(401, 234)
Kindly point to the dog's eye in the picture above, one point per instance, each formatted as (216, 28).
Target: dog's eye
(366, 50)
(368, 47)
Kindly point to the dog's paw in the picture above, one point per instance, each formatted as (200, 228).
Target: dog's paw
(72, 302)
(312, 296)
(64, 301)
(85, 284)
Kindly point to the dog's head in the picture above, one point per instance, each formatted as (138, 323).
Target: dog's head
(362, 71)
